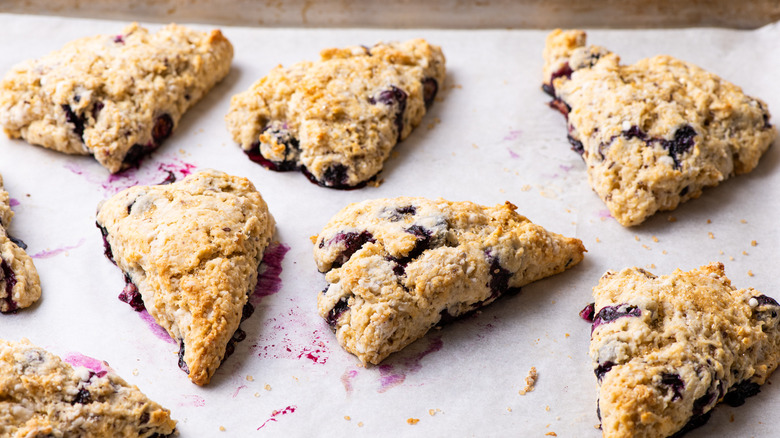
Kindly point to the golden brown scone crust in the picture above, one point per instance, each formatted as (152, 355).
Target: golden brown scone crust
(192, 248)
(115, 97)
(42, 396)
(397, 267)
(338, 118)
(667, 349)
(655, 133)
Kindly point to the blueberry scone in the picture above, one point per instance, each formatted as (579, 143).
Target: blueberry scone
(398, 267)
(655, 133)
(666, 349)
(116, 97)
(190, 252)
(19, 282)
(337, 119)
(43, 396)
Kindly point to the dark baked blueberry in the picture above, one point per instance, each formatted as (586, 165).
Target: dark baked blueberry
(682, 142)
(131, 296)
(335, 176)
(163, 126)
(96, 107)
(352, 243)
(170, 179)
(499, 277)
(281, 136)
(610, 313)
(247, 311)
(82, 397)
(424, 238)
(634, 132)
(182, 365)
(764, 300)
(134, 155)
(707, 400)
(430, 88)
(119, 39)
(602, 369)
(395, 215)
(106, 245)
(238, 336)
(684, 191)
(335, 313)
(393, 97)
(739, 392)
(588, 312)
(10, 281)
(564, 71)
(693, 423)
(74, 119)
(19, 242)
(675, 383)
(561, 106)
(144, 418)
(576, 145)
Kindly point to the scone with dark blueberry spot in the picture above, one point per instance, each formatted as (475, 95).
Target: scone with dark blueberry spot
(398, 267)
(655, 133)
(666, 349)
(20, 285)
(115, 97)
(43, 396)
(190, 253)
(338, 118)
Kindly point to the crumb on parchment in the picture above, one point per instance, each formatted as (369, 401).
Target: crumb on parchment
(530, 381)
(412, 420)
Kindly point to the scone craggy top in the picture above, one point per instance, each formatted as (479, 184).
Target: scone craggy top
(20, 285)
(655, 133)
(192, 248)
(338, 118)
(398, 267)
(41, 395)
(667, 349)
(113, 96)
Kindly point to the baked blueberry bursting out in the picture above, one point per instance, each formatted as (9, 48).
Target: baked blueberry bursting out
(352, 243)
(131, 296)
(282, 136)
(335, 313)
(106, 246)
(163, 126)
(10, 281)
(610, 313)
(76, 120)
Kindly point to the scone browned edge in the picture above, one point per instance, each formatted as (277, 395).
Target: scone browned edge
(41, 395)
(191, 250)
(398, 267)
(116, 97)
(667, 349)
(20, 285)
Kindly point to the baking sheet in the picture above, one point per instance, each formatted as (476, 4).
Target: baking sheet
(488, 138)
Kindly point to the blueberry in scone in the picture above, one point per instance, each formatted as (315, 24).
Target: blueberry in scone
(655, 133)
(115, 97)
(398, 267)
(43, 396)
(19, 283)
(338, 118)
(190, 251)
(666, 349)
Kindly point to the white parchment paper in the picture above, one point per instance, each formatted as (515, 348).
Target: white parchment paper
(489, 138)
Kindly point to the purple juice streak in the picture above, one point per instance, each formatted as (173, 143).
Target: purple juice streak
(288, 410)
(392, 375)
(513, 154)
(51, 253)
(235, 394)
(156, 329)
(99, 367)
(604, 214)
(148, 175)
(269, 279)
(193, 400)
(291, 335)
(346, 379)
(13, 202)
(512, 135)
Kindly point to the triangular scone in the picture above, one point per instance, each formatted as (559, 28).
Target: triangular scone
(115, 97)
(338, 118)
(192, 249)
(655, 133)
(41, 395)
(398, 267)
(19, 282)
(667, 349)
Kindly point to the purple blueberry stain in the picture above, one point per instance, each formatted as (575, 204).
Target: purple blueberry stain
(13, 202)
(269, 279)
(610, 313)
(394, 371)
(51, 253)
